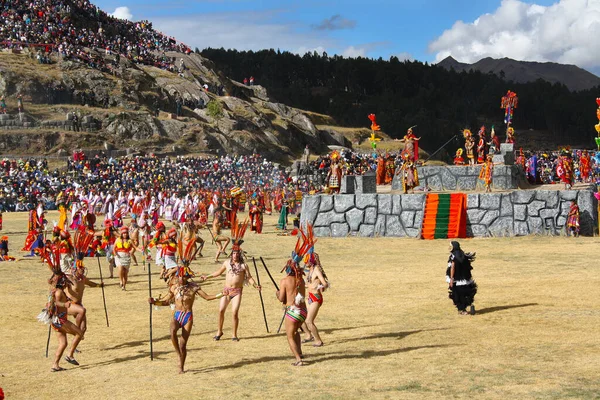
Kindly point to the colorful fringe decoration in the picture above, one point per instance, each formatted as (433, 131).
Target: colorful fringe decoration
(445, 216)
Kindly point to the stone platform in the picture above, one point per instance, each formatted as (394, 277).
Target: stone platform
(517, 213)
(464, 177)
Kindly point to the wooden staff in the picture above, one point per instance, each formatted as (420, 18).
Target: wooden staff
(211, 235)
(281, 323)
(48, 341)
(270, 276)
(150, 295)
(102, 287)
(276, 287)
(260, 294)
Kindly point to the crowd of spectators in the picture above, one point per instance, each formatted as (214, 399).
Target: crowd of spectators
(25, 182)
(72, 28)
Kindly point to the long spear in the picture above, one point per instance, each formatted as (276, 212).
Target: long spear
(260, 294)
(270, 276)
(102, 287)
(150, 295)
(48, 341)
(276, 287)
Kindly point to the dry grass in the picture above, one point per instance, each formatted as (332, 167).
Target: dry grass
(389, 328)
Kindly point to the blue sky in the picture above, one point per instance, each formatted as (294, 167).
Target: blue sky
(563, 31)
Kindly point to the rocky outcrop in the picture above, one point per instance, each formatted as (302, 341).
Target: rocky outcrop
(218, 114)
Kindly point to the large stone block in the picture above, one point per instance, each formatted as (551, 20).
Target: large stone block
(326, 203)
(380, 225)
(588, 212)
(520, 212)
(354, 218)
(365, 184)
(500, 183)
(568, 195)
(370, 215)
(343, 202)
(550, 198)
(413, 232)
(536, 225)
(396, 204)
(502, 227)
(533, 209)
(408, 218)
(413, 201)
(472, 201)
(367, 230)
(365, 200)
(507, 148)
(393, 227)
(339, 229)
(434, 182)
(521, 228)
(348, 184)
(551, 213)
(329, 217)
(448, 178)
(322, 231)
(478, 230)
(466, 183)
(506, 206)
(489, 217)
(490, 201)
(522, 196)
(310, 209)
(475, 215)
(418, 220)
(385, 204)
(498, 159)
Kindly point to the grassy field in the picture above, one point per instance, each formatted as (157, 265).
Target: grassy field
(389, 329)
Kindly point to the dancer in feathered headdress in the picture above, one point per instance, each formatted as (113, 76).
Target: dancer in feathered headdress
(182, 293)
(317, 283)
(237, 275)
(57, 308)
(81, 243)
(291, 294)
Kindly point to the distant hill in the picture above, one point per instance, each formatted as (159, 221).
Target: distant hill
(571, 76)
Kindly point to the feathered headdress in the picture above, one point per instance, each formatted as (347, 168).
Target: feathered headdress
(310, 241)
(81, 243)
(186, 254)
(137, 210)
(237, 233)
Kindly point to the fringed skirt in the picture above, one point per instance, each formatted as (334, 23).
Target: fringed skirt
(463, 295)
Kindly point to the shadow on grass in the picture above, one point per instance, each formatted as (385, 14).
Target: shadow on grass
(392, 335)
(144, 342)
(139, 355)
(501, 308)
(324, 357)
(327, 331)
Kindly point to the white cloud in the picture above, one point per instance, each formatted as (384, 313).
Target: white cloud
(353, 52)
(565, 32)
(242, 31)
(404, 56)
(122, 13)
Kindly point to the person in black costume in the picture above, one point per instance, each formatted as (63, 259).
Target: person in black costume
(461, 286)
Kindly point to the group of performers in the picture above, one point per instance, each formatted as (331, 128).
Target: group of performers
(482, 149)
(175, 248)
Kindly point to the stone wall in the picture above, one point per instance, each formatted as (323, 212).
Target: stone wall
(518, 213)
(464, 177)
(23, 121)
